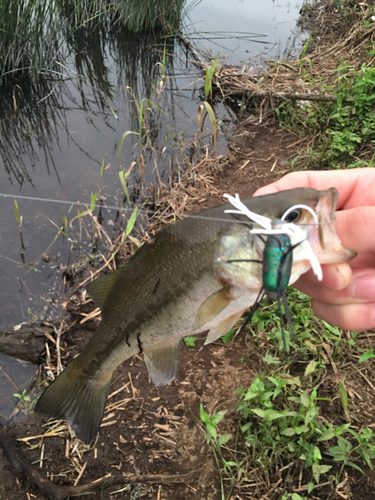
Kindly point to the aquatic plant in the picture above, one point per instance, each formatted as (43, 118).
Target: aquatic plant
(30, 37)
(34, 34)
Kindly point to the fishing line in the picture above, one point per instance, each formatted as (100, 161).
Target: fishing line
(304, 207)
(148, 211)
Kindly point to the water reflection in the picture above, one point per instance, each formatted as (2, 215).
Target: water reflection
(15, 377)
(29, 137)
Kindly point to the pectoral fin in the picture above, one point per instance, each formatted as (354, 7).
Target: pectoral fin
(222, 328)
(212, 306)
(162, 362)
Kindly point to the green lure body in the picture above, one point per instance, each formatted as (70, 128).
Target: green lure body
(277, 265)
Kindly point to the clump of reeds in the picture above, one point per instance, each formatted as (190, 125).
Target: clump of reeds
(34, 34)
(30, 37)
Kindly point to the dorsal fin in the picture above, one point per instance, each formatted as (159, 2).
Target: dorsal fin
(100, 287)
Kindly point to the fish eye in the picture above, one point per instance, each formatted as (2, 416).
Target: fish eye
(293, 216)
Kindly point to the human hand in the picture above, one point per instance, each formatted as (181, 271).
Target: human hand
(346, 295)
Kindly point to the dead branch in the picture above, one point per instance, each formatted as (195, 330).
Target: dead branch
(284, 95)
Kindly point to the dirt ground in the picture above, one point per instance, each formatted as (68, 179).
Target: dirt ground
(154, 435)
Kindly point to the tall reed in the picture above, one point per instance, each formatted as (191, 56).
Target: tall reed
(30, 37)
(34, 33)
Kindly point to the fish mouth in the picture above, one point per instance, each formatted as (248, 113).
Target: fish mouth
(324, 240)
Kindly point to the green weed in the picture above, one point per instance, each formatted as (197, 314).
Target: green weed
(190, 341)
(343, 127)
(17, 213)
(367, 355)
(229, 467)
(311, 332)
(281, 422)
(204, 110)
(210, 72)
(22, 396)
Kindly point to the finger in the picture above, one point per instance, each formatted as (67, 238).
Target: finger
(363, 260)
(348, 316)
(335, 276)
(362, 285)
(361, 288)
(325, 294)
(353, 185)
(352, 227)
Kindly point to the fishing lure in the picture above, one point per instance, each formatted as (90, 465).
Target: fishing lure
(277, 256)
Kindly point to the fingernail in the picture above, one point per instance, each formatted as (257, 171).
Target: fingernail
(363, 287)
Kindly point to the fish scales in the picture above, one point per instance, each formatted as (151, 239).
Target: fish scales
(143, 297)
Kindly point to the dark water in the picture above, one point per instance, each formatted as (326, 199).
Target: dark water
(54, 146)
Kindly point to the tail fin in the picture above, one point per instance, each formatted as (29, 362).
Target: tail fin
(79, 400)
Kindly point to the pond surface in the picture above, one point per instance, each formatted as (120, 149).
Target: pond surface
(53, 147)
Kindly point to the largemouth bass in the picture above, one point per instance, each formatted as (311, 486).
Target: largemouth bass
(177, 284)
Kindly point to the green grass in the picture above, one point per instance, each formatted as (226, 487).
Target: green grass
(282, 414)
(343, 129)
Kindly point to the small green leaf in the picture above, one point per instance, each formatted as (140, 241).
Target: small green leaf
(230, 462)
(344, 395)
(204, 416)
(224, 439)
(227, 337)
(16, 211)
(190, 341)
(305, 400)
(317, 454)
(218, 417)
(270, 359)
(102, 169)
(333, 329)
(310, 368)
(93, 200)
(131, 221)
(301, 429)
(122, 176)
(258, 411)
(327, 435)
(316, 472)
(124, 136)
(211, 431)
(367, 355)
(289, 431)
(355, 466)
